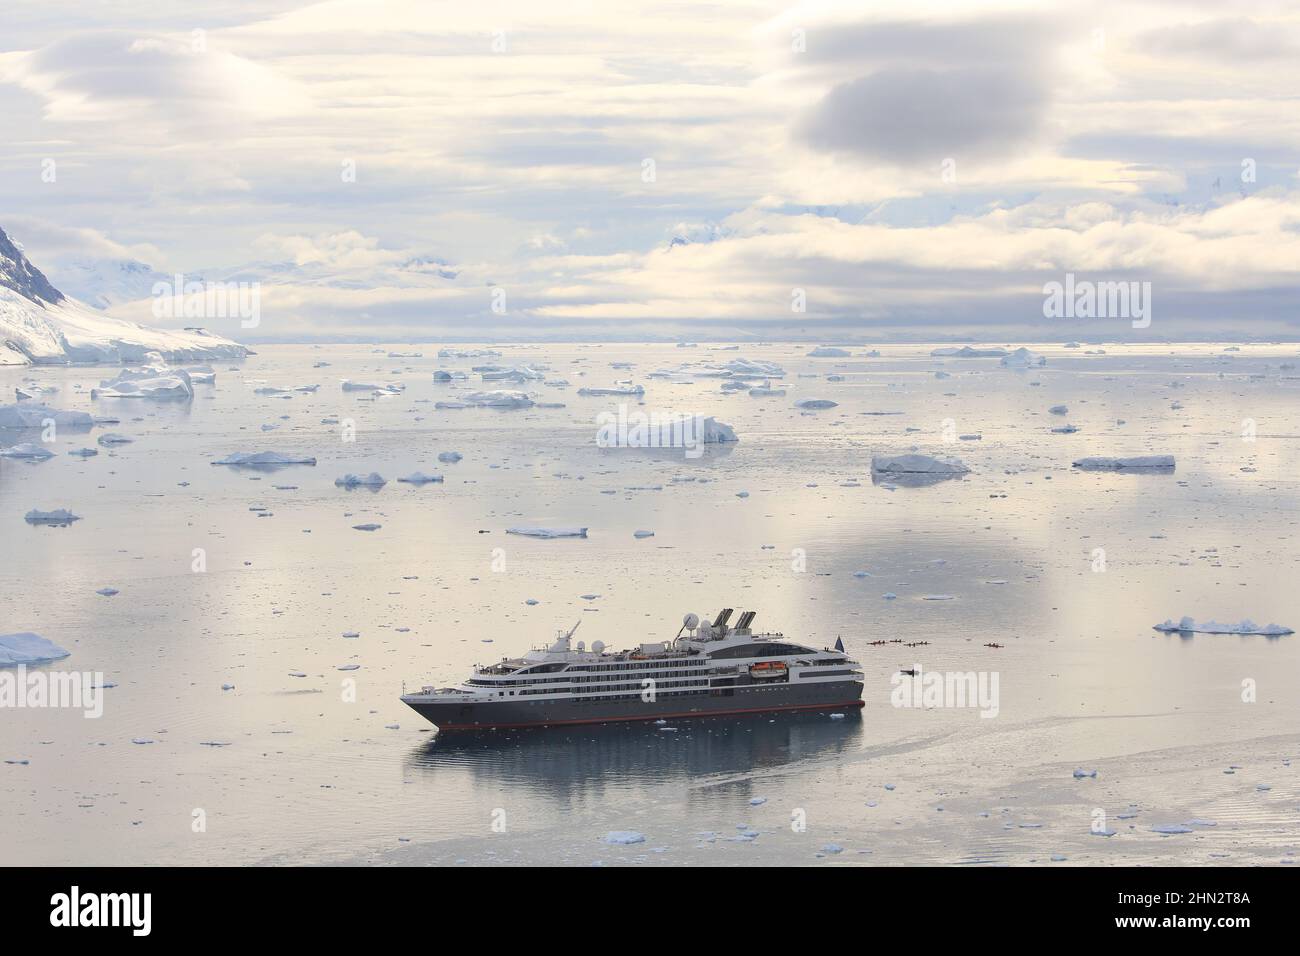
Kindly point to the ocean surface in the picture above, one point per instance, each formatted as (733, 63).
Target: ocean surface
(250, 578)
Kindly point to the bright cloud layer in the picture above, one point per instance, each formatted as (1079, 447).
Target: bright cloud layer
(655, 170)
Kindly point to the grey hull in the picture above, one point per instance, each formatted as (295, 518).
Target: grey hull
(457, 715)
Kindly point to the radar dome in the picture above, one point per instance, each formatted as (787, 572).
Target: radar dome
(598, 647)
(582, 645)
(691, 621)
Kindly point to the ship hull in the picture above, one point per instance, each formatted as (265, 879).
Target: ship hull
(743, 701)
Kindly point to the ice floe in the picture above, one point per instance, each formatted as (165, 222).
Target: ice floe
(629, 390)
(263, 459)
(420, 478)
(28, 648)
(27, 450)
(815, 403)
(149, 382)
(1022, 358)
(624, 837)
(35, 416)
(925, 466)
(372, 480)
(966, 351)
(1188, 625)
(1138, 463)
(59, 516)
(533, 532)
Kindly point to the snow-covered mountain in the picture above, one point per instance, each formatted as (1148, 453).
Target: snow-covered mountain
(40, 325)
(104, 283)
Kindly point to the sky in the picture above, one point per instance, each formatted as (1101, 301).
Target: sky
(405, 170)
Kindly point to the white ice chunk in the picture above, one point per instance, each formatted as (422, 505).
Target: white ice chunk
(28, 648)
(372, 480)
(1138, 463)
(263, 459)
(1189, 626)
(28, 450)
(532, 532)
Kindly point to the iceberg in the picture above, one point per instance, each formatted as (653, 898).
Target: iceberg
(149, 382)
(372, 480)
(390, 389)
(28, 648)
(498, 399)
(913, 470)
(825, 351)
(1139, 463)
(35, 416)
(967, 352)
(263, 459)
(914, 464)
(450, 457)
(752, 368)
(1188, 625)
(60, 517)
(624, 837)
(519, 374)
(1022, 358)
(815, 403)
(420, 478)
(27, 450)
(549, 532)
(614, 390)
(113, 438)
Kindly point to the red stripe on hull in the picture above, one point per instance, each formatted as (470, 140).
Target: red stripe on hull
(610, 720)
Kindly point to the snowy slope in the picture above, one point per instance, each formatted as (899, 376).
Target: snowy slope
(40, 325)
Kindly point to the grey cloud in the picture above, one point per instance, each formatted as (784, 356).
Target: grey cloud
(910, 115)
(1237, 41)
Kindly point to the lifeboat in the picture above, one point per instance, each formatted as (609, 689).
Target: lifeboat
(768, 670)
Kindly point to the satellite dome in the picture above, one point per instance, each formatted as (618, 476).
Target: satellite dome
(598, 646)
(691, 621)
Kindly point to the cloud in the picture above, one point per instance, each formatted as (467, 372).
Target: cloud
(914, 116)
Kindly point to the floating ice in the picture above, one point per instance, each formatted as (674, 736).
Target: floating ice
(107, 592)
(113, 438)
(1080, 773)
(1138, 463)
(826, 351)
(148, 382)
(388, 388)
(624, 837)
(914, 464)
(262, 459)
(643, 534)
(450, 456)
(28, 648)
(1170, 828)
(1188, 625)
(368, 526)
(1022, 358)
(1059, 410)
(498, 399)
(372, 480)
(815, 403)
(420, 478)
(27, 450)
(60, 517)
(35, 416)
(615, 390)
(967, 352)
(549, 532)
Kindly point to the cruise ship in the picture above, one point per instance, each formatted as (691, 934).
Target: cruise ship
(707, 670)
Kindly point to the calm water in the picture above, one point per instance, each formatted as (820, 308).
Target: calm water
(306, 773)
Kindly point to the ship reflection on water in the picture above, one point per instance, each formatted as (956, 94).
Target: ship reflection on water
(565, 762)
